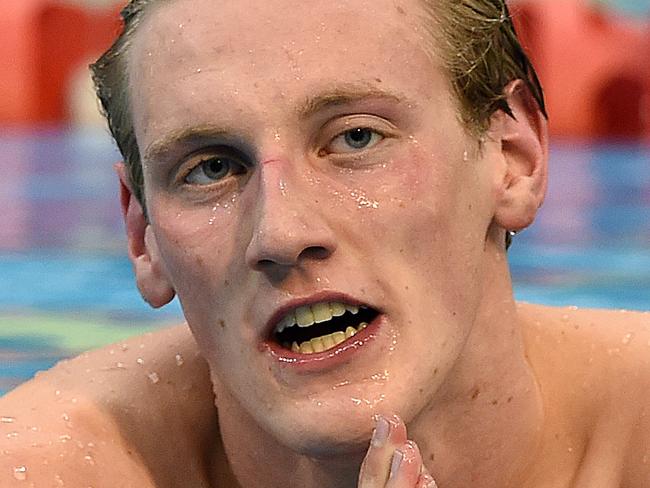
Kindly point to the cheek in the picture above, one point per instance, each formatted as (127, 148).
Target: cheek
(197, 245)
(429, 227)
(417, 197)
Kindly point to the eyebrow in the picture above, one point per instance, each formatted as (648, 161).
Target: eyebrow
(347, 94)
(340, 96)
(185, 135)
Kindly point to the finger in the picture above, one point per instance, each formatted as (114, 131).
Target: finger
(426, 481)
(406, 466)
(389, 434)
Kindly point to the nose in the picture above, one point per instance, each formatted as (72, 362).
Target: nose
(290, 229)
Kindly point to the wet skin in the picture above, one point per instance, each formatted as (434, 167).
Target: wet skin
(261, 197)
(375, 224)
(384, 224)
(591, 364)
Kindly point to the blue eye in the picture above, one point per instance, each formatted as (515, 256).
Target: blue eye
(212, 169)
(358, 138)
(354, 140)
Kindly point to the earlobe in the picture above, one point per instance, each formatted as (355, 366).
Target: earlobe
(524, 148)
(151, 276)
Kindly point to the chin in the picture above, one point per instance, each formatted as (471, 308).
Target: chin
(320, 439)
(330, 426)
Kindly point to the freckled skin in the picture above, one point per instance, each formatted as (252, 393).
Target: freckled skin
(414, 225)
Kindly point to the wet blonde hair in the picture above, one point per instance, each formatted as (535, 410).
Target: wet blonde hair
(475, 39)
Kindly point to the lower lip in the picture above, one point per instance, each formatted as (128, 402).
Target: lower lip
(340, 354)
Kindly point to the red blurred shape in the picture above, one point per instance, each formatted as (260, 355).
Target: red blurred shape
(593, 65)
(44, 43)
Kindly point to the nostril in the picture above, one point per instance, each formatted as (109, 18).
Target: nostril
(313, 252)
(265, 263)
(316, 252)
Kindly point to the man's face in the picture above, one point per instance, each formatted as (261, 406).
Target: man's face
(310, 154)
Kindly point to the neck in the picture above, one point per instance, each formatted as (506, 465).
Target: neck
(479, 430)
(486, 421)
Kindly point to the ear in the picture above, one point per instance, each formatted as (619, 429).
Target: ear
(150, 274)
(524, 150)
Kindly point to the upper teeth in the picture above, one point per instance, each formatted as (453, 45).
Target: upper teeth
(314, 314)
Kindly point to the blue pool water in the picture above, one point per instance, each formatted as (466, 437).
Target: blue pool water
(65, 283)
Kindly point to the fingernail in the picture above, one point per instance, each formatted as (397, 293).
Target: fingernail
(429, 481)
(397, 460)
(380, 434)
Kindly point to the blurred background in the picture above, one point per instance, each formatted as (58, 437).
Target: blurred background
(65, 282)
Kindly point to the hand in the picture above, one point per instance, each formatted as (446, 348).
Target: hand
(392, 460)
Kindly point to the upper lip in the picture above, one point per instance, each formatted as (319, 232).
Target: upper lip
(323, 296)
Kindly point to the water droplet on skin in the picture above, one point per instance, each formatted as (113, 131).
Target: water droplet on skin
(153, 377)
(111, 352)
(341, 384)
(356, 401)
(65, 417)
(58, 480)
(140, 361)
(465, 156)
(363, 201)
(12, 435)
(627, 338)
(179, 360)
(7, 420)
(57, 392)
(20, 473)
(198, 70)
(89, 459)
(65, 438)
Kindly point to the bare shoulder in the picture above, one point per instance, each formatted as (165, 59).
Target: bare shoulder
(132, 414)
(617, 340)
(595, 366)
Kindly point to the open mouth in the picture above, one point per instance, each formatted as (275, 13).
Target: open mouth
(321, 326)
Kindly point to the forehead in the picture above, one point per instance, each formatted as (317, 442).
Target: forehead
(248, 53)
